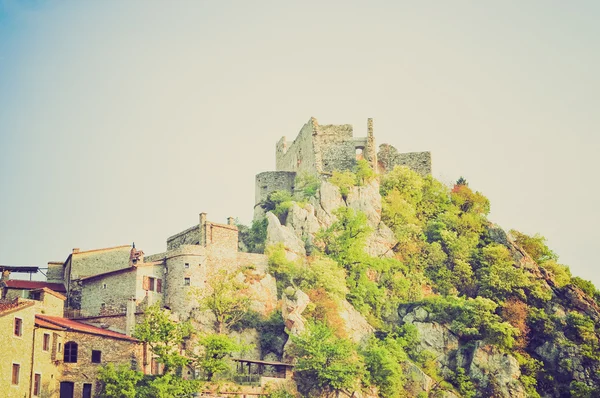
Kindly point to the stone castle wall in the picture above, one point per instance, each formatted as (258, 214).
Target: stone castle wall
(389, 157)
(271, 181)
(190, 236)
(299, 156)
(336, 147)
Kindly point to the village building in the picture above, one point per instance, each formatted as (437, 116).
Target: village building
(47, 355)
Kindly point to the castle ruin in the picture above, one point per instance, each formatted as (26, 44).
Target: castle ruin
(321, 149)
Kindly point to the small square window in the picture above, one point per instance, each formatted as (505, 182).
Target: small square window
(186, 281)
(46, 342)
(16, 369)
(187, 265)
(96, 356)
(18, 327)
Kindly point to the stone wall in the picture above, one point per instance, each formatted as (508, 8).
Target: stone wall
(271, 181)
(178, 294)
(389, 157)
(96, 262)
(336, 147)
(221, 237)
(190, 236)
(115, 351)
(300, 155)
(107, 295)
(55, 272)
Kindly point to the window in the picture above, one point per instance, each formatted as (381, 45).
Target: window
(70, 352)
(46, 342)
(159, 286)
(186, 281)
(16, 369)
(18, 327)
(87, 390)
(37, 384)
(151, 285)
(35, 296)
(96, 356)
(104, 286)
(187, 265)
(59, 347)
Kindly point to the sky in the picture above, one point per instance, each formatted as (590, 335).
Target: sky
(121, 121)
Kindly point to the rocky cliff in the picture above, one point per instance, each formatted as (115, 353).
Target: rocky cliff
(454, 304)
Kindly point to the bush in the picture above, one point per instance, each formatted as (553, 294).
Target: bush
(307, 185)
(254, 238)
(325, 362)
(364, 172)
(344, 180)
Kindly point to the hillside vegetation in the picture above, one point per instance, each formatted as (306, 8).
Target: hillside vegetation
(480, 289)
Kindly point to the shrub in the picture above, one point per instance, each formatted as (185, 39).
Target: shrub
(307, 185)
(364, 172)
(325, 362)
(344, 180)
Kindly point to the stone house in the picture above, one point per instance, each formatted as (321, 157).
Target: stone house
(46, 355)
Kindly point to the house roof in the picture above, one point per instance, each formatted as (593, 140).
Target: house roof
(71, 325)
(9, 306)
(52, 292)
(103, 249)
(47, 325)
(27, 285)
(109, 273)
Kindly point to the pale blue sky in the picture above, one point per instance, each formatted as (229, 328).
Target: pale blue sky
(121, 121)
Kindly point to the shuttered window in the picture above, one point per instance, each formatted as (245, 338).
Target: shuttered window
(159, 285)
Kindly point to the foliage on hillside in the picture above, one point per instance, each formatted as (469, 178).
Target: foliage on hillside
(449, 261)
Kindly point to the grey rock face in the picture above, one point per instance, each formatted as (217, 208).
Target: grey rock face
(355, 324)
(277, 233)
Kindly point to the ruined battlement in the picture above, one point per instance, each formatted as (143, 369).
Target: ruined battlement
(321, 149)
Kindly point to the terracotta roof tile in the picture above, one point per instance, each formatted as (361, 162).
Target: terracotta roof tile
(47, 325)
(82, 327)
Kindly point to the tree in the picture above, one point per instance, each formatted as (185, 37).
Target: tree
(225, 298)
(215, 349)
(118, 382)
(164, 336)
(325, 362)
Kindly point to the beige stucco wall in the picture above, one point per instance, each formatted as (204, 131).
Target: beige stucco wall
(16, 350)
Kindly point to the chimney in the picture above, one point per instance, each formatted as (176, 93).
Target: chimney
(75, 250)
(230, 221)
(130, 317)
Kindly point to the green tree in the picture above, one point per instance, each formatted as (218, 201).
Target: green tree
(167, 386)
(226, 297)
(535, 246)
(384, 367)
(364, 172)
(215, 349)
(164, 336)
(344, 180)
(325, 362)
(118, 382)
